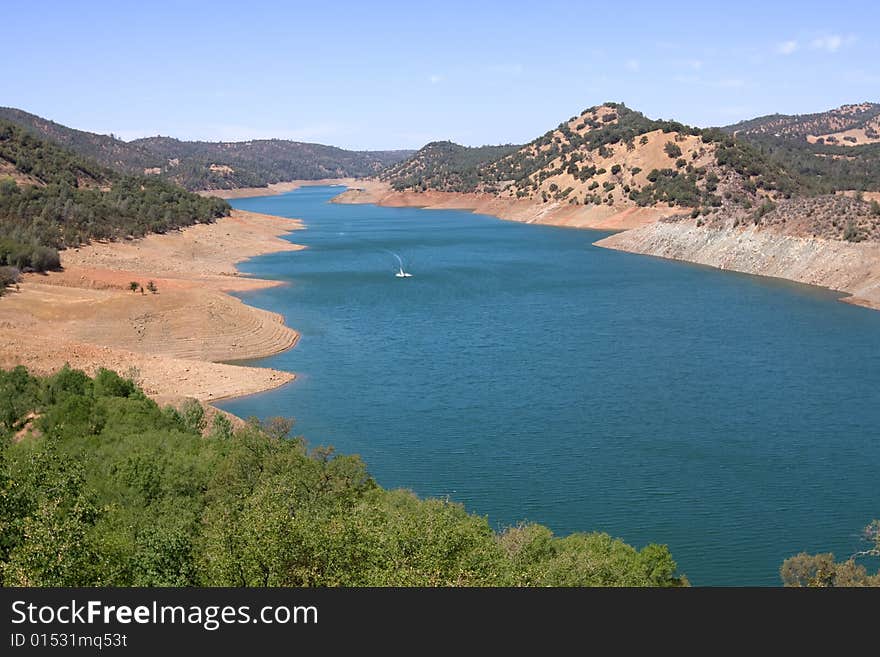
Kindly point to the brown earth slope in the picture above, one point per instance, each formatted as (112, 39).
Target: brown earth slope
(174, 341)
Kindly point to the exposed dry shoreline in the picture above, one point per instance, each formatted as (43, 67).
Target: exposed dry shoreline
(842, 266)
(555, 213)
(176, 341)
(275, 188)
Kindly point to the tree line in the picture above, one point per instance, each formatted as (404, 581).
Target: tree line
(99, 486)
(61, 200)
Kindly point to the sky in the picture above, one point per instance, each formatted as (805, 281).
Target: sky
(384, 75)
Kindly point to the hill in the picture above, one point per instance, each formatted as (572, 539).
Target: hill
(51, 198)
(834, 150)
(608, 155)
(444, 166)
(848, 125)
(210, 165)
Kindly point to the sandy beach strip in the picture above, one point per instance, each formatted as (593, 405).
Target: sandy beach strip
(175, 342)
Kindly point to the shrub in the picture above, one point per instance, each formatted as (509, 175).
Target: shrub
(672, 150)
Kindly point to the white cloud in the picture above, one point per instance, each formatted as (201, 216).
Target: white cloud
(434, 79)
(832, 42)
(786, 47)
(633, 65)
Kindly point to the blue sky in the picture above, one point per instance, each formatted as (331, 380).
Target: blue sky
(397, 75)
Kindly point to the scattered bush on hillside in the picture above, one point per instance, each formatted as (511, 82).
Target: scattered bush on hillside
(672, 150)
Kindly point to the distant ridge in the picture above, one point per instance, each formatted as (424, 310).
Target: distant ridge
(847, 125)
(200, 165)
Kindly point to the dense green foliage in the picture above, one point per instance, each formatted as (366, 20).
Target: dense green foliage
(445, 166)
(103, 487)
(72, 200)
(210, 165)
(821, 570)
(823, 167)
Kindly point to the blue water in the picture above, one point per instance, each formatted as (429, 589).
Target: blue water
(532, 376)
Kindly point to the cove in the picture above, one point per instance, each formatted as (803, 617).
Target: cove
(531, 376)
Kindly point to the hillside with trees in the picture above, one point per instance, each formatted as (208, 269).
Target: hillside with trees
(99, 486)
(51, 198)
(200, 165)
(445, 166)
(612, 156)
(608, 155)
(847, 125)
(834, 150)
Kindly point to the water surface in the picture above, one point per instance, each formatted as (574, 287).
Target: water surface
(532, 376)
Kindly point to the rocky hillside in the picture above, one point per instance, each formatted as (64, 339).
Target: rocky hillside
(798, 241)
(210, 165)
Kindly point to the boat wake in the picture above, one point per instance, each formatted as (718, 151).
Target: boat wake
(401, 272)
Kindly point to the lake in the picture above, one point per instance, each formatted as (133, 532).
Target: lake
(532, 376)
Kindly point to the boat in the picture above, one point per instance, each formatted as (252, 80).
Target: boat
(401, 273)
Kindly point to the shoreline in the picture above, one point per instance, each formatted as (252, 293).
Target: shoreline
(176, 343)
(851, 269)
(557, 213)
(275, 188)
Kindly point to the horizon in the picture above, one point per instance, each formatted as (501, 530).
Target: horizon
(382, 78)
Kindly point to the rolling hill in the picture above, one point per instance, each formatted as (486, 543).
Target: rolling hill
(834, 150)
(52, 198)
(611, 156)
(201, 165)
(848, 125)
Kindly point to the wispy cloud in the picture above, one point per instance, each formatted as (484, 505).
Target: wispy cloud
(787, 47)
(832, 42)
(633, 65)
(435, 79)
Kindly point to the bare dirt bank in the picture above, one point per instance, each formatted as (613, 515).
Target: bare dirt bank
(525, 211)
(174, 341)
(275, 188)
(843, 266)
